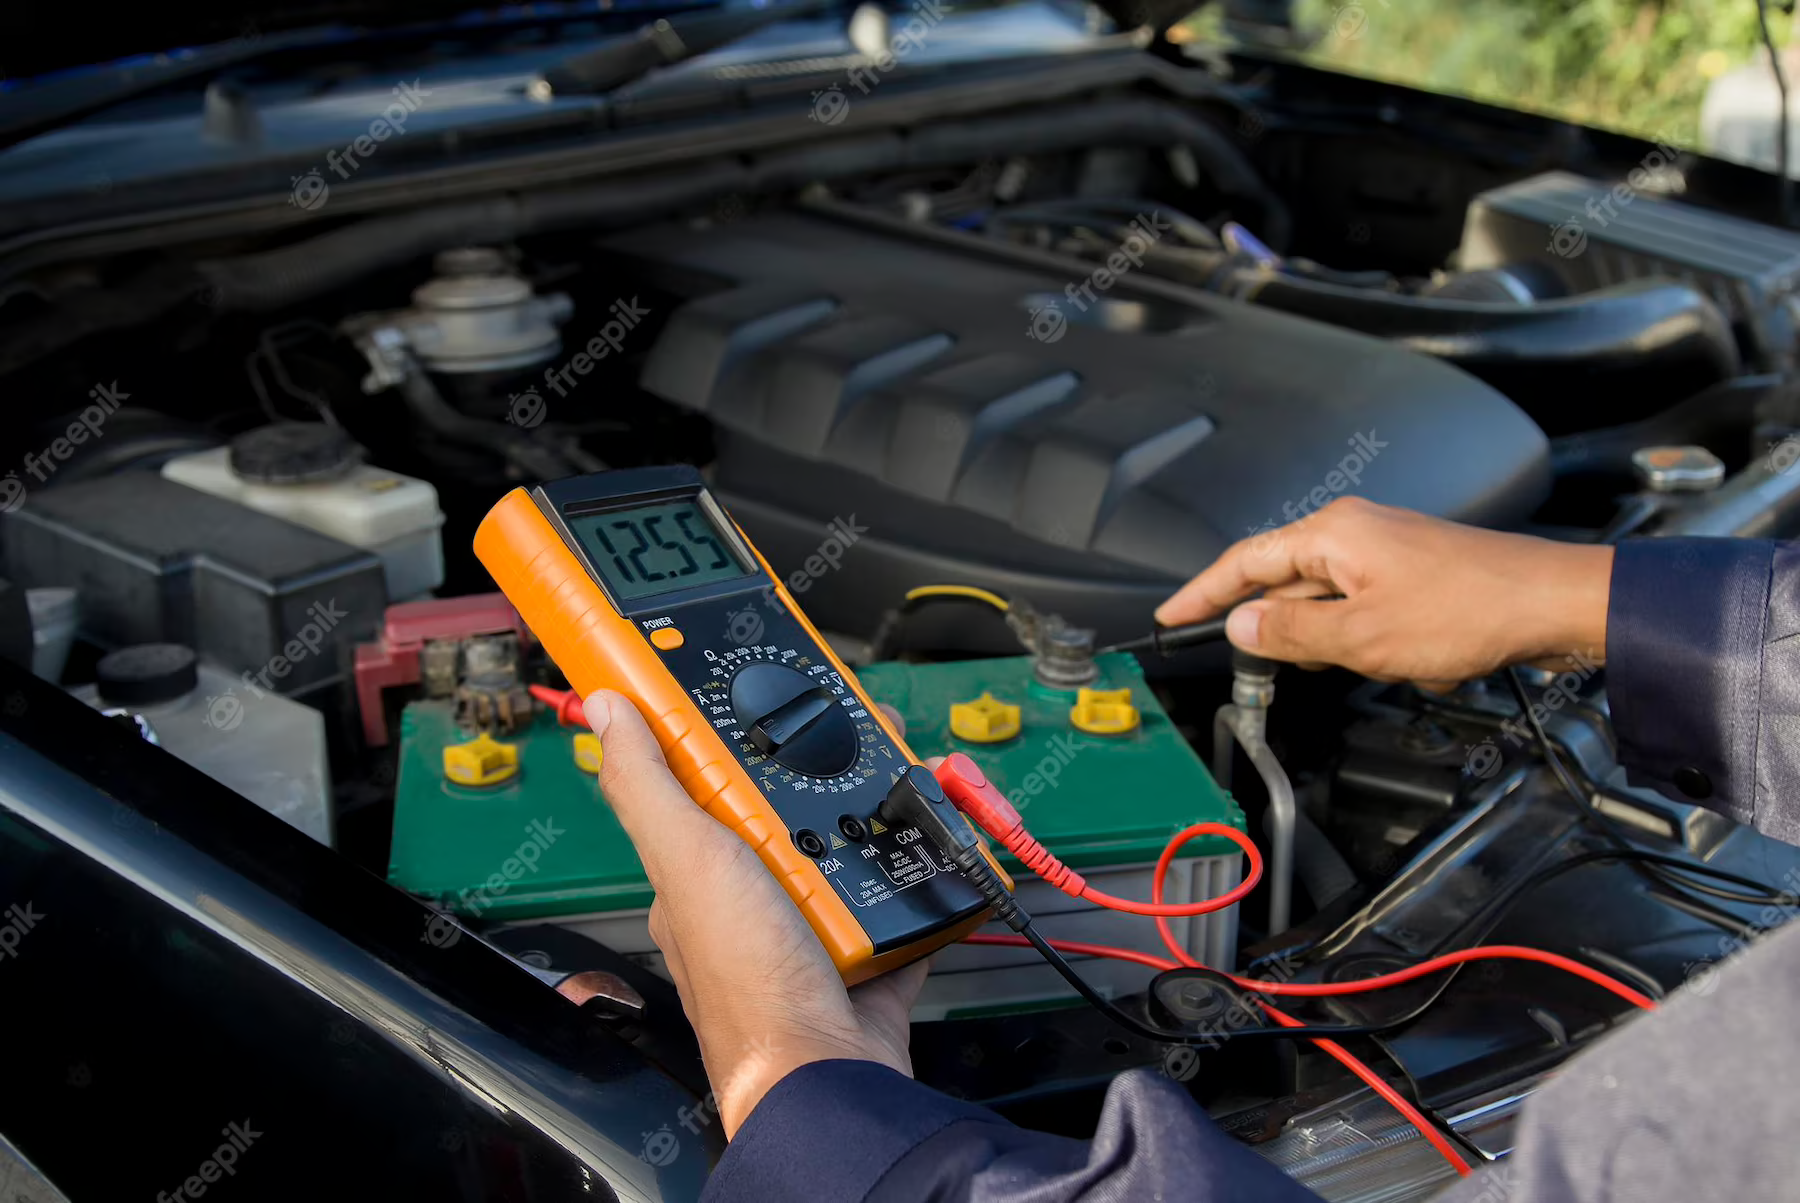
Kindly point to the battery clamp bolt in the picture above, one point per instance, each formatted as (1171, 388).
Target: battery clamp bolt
(1062, 654)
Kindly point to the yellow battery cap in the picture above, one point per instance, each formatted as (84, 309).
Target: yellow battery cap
(484, 760)
(587, 752)
(986, 720)
(1104, 712)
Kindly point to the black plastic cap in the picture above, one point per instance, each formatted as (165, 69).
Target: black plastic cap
(1198, 999)
(148, 673)
(293, 453)
(1249, 662)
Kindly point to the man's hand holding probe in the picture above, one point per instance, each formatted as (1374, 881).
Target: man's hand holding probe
(1413, 598)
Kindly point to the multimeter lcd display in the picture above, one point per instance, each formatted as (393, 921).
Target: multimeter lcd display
(651, 549)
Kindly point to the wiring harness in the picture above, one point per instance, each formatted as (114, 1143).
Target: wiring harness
(937, 803)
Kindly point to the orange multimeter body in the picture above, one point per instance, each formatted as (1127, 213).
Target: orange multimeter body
(636, 581)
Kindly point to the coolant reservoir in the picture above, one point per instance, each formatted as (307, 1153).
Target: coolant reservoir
(308, 473)
(269, 748)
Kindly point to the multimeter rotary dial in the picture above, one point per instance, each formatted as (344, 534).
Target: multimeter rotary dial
(794, 719)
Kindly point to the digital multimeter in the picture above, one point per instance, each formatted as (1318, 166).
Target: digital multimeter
(636, 581)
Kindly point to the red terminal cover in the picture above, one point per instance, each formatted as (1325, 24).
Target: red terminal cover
(393, 660)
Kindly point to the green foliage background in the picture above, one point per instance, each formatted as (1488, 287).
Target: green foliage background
(1630, 65)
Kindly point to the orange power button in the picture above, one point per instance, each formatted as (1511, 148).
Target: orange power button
(666, 638)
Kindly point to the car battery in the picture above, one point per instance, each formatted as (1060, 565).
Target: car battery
(1103, 780)
(513, 830)
(513, 827)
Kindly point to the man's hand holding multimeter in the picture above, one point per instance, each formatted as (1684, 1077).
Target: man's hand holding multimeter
(760, 990)
(638, 586)
(636, 581)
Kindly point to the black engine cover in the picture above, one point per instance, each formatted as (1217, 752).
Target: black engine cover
(974, 417)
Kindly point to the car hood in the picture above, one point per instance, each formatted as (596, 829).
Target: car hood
(36, 39)
(39, 39)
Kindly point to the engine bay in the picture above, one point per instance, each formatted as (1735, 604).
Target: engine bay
(983, 398)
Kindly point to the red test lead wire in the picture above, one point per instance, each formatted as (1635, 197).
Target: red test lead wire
(977, 797)
(1076, 948)
(981, 800)
(1344, 1056)
(1487, 952)
(968, 787)
(1374, 1081)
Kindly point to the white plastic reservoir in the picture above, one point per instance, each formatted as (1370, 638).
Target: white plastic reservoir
(326, 489)
(269, 748)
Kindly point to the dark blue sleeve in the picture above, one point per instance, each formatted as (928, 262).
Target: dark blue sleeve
(1703, 674)
(851, 1131)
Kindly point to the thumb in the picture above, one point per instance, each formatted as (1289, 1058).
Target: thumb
(664, 823)
(1295, 629)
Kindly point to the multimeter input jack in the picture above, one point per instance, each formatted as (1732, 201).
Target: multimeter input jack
(810, 842)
